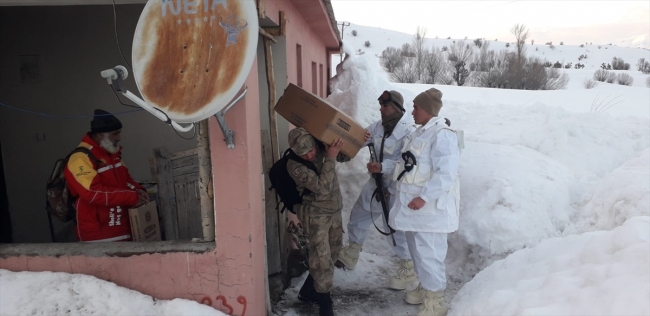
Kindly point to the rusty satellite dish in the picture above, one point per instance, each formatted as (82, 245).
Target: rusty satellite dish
(190, 57)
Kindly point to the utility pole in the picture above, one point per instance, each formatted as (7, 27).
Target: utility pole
(343, 25)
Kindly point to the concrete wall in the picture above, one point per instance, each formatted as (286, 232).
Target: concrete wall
(72, 44)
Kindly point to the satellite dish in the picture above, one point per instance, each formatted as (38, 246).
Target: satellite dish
(190, 57)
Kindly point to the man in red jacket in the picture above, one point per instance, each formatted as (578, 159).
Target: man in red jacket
(103, 187)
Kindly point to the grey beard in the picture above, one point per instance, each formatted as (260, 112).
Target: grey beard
(108, 145)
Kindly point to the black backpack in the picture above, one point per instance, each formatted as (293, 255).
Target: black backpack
(284, 185)
(59, 202)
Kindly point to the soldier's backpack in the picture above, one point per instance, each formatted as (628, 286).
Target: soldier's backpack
(59, 202)
(284, 185)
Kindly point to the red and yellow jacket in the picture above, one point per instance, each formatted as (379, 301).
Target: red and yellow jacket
(105, 191)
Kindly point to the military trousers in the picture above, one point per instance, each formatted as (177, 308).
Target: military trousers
(325, 243)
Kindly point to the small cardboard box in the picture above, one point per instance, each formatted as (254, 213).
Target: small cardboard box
(144, 223)
(320, 119)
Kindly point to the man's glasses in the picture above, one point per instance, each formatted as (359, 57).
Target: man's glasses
(386, 97)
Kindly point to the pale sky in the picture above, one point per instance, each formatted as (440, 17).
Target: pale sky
(595, 21)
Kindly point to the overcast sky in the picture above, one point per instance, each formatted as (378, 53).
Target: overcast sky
(570, 21)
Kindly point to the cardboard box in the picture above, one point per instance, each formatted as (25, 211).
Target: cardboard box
(145, 225)
(321, 119)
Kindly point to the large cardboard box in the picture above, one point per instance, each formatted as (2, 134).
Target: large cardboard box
(321, 119)
(145, 225)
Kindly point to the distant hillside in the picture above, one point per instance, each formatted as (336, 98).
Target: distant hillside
(380, 39)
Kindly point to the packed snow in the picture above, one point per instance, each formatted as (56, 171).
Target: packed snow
(59, 293)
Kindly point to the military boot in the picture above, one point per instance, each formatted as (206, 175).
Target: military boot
(307, 291)
(434, 304)
(415, 296)
(325, 307)
(349, 256)
(405, 276)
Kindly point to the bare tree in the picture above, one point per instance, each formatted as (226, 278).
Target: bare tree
(435, 67)
(460, 55)
(419, 49)
(521, 34)
(391, 58)
(484, 58)
(407, 50)
(407, 73)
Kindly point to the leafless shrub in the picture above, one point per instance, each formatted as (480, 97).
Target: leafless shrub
(647, 82)
(589, 83)
(354, 32)
(643, 66)
(391, 58)
(611, 77)
(601, 75)
(556, 80)
(624, 79)
(435, 67)
(510, 72)
(619, 64)
(367, 43)
(407, 73)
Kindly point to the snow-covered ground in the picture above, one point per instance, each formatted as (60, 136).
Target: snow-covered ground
(555, 203)
(555, 196)
(58, 293)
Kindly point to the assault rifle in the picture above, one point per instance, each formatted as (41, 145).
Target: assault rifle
(380, 194)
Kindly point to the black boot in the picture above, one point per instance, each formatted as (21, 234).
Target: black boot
(307, 291)
(325, 307)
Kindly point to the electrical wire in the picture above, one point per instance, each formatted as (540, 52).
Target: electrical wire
(185, 138)
(117, 38)
(122, 103)
(66, 116)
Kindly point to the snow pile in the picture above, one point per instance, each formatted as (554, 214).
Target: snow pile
(621, 195)
(58, 293)
(597, 273)
(505, 192)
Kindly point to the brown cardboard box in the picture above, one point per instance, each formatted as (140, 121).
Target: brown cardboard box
(321, 119)
(145, 225)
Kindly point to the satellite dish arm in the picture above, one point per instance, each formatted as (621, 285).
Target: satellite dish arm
(156, 112)
(116, 77)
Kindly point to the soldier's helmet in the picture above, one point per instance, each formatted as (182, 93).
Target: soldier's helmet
(300, 141)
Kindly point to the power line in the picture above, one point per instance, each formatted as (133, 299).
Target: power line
(66, 116)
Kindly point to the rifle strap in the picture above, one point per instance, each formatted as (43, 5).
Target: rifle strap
(390, 229)
(381, 148)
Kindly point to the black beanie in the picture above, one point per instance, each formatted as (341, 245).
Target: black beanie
(104, 122)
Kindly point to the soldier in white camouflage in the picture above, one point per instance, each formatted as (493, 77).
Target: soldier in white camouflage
(320, 212)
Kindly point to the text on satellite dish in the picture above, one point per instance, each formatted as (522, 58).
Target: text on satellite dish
(190, 6)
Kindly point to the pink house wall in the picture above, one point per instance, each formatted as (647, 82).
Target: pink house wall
(300, 31)
(230, 278)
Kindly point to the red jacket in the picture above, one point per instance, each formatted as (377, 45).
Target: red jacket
(104, 191)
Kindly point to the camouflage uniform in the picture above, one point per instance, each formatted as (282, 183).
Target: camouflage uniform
(320, 211)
